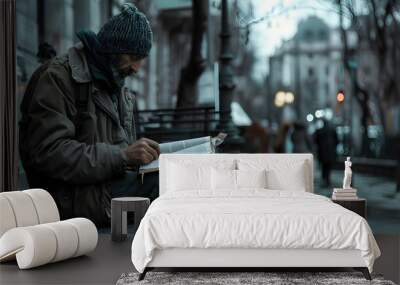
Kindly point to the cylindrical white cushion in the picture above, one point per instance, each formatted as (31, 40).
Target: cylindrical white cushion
(67, 240)
(87, 233)
(26, 208)
(41, 244)
(45, 205)
(7, 218)
(33, 246)
(30, 230)
(23, 208)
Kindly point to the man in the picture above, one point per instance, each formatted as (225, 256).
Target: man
(326, 140)
(77, 133)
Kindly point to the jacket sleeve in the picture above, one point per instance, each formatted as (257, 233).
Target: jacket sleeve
(53, 151)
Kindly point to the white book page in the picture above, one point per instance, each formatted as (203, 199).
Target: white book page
(152, 165)
(201, 145)
(184, 146)
(200, 149)
(175, 146)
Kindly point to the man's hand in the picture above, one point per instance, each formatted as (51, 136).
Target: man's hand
(142, 151)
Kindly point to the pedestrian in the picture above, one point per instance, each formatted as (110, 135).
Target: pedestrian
(326, 141)
(300, 138)
(257, 139)
(281, 145)
(77, 137)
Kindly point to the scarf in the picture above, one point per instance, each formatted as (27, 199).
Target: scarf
(100, 64)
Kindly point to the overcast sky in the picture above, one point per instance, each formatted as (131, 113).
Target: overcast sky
(267, 36)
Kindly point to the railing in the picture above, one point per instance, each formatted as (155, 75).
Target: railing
(175, 124)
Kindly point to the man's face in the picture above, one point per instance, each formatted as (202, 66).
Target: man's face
(128, 65)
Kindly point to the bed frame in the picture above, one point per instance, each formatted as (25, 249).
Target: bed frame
(242, 259)
(246, 259)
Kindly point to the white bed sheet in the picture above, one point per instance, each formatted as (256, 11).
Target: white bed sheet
(252, 218)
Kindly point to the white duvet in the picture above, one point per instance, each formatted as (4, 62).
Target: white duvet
(250, 219)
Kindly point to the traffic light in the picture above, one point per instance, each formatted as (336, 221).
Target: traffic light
(340, 96)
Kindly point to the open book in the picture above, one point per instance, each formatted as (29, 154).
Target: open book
(197, 145)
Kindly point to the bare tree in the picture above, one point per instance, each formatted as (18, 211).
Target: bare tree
(378, 26)
(187, 95)
(360, 94)
(376, 22)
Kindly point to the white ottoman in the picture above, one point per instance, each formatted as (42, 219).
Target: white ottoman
(31, 231)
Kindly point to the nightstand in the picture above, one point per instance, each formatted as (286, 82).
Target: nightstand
(358, 206)
(119, 208)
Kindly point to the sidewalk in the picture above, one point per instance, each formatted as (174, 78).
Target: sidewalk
(383, 205)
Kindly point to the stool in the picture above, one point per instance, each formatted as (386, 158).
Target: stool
(119, 209)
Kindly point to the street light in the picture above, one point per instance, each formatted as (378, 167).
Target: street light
(319, 113)
(289, 97)
(340, 97)
(282, 98)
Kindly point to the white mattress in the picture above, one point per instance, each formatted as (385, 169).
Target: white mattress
(251, 219)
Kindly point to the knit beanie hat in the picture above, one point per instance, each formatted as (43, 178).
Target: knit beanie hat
(128, 32)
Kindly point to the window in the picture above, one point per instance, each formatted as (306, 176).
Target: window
(323, 35)
(308, 34)
(310, 72)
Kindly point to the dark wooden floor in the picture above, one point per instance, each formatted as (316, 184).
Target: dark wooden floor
(110, 260)
(102, 266)
(389, 262)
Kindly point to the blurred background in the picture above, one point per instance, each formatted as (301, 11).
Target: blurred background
(287, 76)
(278, 76)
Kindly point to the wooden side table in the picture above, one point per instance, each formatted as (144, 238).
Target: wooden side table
(358, 206)
(119, 209)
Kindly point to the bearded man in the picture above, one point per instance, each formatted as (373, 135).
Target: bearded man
(77, 132)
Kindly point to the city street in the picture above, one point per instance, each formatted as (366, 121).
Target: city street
(383, 205)
(110, 106)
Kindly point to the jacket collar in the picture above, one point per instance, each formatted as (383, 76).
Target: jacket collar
(81, 74)
(78, 63)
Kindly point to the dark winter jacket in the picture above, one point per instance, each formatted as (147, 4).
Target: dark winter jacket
(74, 154)
(326, 140)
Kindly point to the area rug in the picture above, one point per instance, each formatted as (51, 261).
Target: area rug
(243, 278)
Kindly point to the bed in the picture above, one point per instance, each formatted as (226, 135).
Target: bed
(245, 211)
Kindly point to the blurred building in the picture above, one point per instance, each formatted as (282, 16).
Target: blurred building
(56, 22)
(310, 67)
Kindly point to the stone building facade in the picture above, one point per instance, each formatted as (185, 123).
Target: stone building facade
(56, 22)
(310, 66)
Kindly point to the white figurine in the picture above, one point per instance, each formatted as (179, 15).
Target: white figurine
(347, 174)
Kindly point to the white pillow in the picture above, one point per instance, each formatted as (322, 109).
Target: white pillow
(251, 178)
(227, 179)
(280, 180)
(184, 174)
(282, 174)
(223, 179)
(188, 177)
